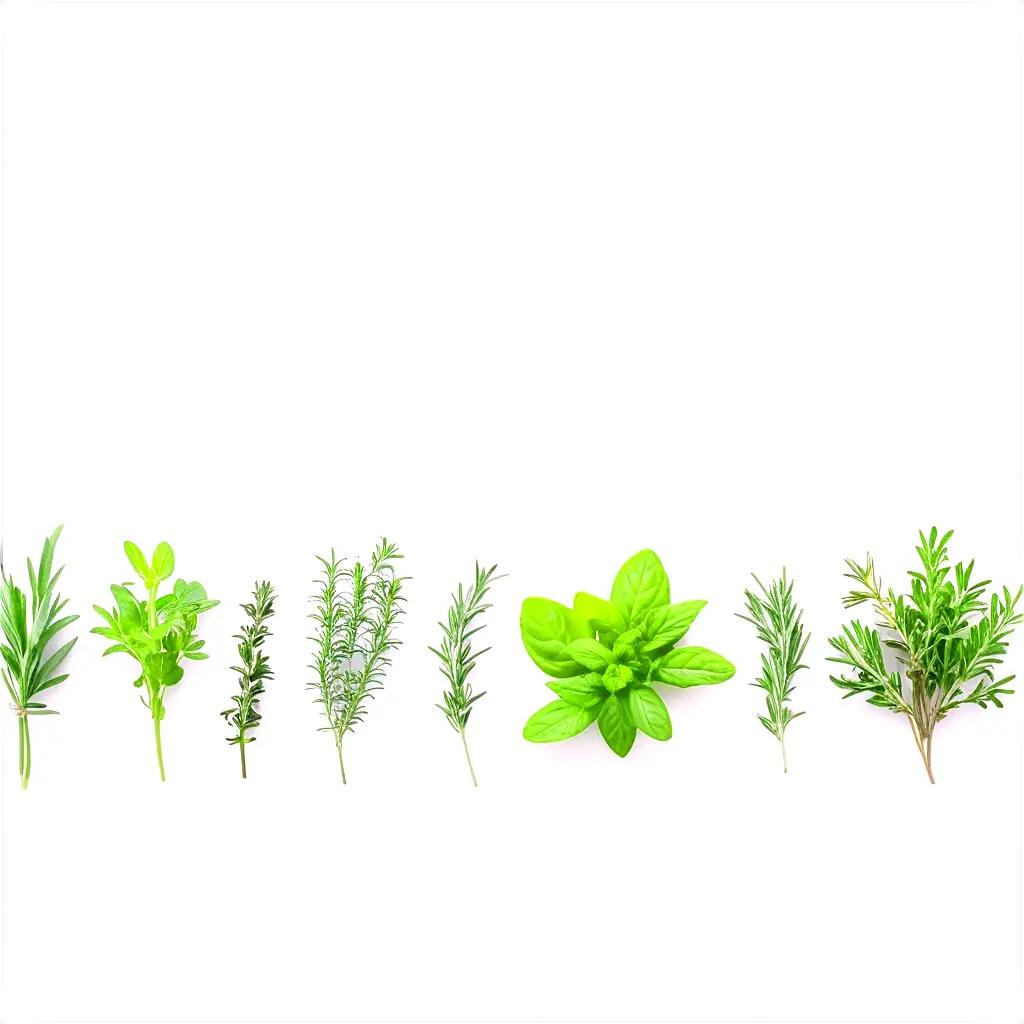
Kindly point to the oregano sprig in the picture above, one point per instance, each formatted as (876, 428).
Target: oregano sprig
(254, 669)
(946, 634)
(778, 621)
(156, 631)
(356, 611)
(457, 656)
(29, 624)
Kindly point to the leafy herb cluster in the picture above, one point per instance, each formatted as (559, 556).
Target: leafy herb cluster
(457, 656)
(29, 624)
(253, 671)
(945, 634)
(356, 611)
(156, 631)
(607, 656)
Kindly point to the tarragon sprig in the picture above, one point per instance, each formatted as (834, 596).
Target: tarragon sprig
(778, 621)
(458, 659)
(254, 669)
(29, 624)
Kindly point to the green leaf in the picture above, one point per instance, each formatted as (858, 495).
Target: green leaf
(139, 563)
(640, 585)
(694, 666)
(163, 561)
(649, 713)
(127, 606)
(666, 626)
(581, 691)
(589, 653)
(617, 677)
(596, 612)
(557, 721)
(618, 730)
(547, 627)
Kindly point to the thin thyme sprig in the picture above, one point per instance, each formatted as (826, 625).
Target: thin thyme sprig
(778, 621)
(458, 659)
(29, 624)
(354, 637)
(254, 670)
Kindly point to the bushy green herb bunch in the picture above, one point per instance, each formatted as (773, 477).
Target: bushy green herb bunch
(607, 657)
(254, 670)
(30, 623)
(946, 635)
(156, 631)
(457, 656)
(778, 621)
(356, 611)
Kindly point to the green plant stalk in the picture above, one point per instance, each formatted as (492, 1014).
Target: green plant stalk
(469, 760)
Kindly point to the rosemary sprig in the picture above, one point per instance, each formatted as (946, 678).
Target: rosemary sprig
(458, 659)
(777, 619)
(29, 624)
(356, 612)
(254, 670)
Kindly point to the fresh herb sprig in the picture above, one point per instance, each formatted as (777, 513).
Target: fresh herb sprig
(157, 631)
(607, 657)
(946, 635)
(778, 621)
(356, 611)
(29, 624)
(457, 656)
(254, 670)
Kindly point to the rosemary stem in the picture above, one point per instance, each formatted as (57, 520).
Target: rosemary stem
(241, 747)
(24, 751)
(341, 762)
(785, 766)
(469, 760)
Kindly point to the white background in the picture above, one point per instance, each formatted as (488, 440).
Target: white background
(540, 285)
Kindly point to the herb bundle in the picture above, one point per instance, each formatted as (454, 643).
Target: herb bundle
(255, 668)
(458, 659)
(157, 631)
(778, 621)
(356, 611)
(29, 624)
(945, 634)
(607, 656)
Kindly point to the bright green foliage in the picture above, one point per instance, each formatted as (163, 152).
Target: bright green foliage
(777, 619)
(607, 656)
(458, 659)
(29, 624)
(945, 634)
(156, 631)
(356, 612)
(255, 668)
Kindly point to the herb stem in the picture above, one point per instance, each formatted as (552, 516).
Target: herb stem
(24, 751)
(785, 766)
(469, 760)
(241, 748)
(159, 748)
(341, 762)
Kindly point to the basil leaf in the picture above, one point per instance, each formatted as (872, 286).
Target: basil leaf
(649, 713)
(618, 730)
(694, 666)
(557, 721)
(581, 691)
(589, 653)
(163, 561)
(666, 626)
(547, 627)
(640, 585)
(596, 612)
(139, 563)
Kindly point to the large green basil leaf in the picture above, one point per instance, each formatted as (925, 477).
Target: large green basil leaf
(616, 727)
(547, 627)
(557, 721)
(597, 612)
(581, 691)
(694, 666)
(666, 626)
(640, 585)
(593, 656)
(649, 713)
